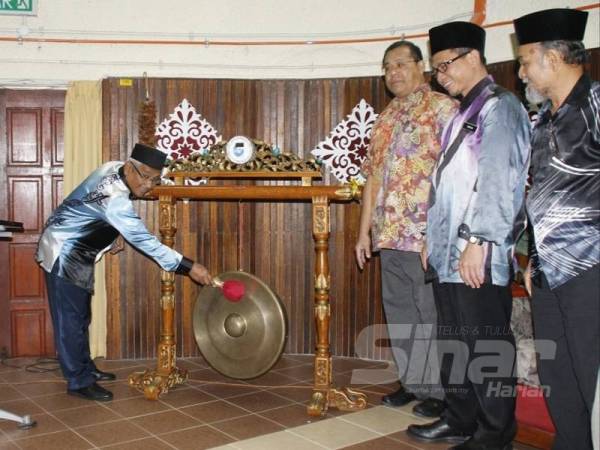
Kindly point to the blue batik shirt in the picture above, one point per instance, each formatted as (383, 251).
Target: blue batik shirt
(481, 187)
(563, 203)
(87, 222)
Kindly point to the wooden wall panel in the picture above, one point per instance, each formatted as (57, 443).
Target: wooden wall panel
(24, 127)
(271, 240)
(58, 130)
(26, 191)
(25, 277)
(28, 336)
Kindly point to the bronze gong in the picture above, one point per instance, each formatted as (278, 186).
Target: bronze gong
(242, 339)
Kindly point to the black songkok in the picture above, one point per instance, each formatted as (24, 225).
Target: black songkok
(456, 35)
(150, 156)
(560, 24)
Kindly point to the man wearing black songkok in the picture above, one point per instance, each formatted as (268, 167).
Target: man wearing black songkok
(476, 206)
(76, 235)
(563, 206)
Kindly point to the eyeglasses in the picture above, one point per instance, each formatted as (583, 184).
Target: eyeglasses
(154, 181)
(396, 65)
(443, 66)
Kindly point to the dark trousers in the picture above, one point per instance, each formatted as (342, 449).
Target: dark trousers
(408, 302)
(71, 315)
(477, 354)
(569, 316)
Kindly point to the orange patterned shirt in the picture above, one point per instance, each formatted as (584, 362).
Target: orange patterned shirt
(405, 142)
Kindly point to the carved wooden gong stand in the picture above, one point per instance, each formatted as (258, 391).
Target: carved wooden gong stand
(167, 374)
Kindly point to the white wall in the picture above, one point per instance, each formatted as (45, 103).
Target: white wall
(41, 63)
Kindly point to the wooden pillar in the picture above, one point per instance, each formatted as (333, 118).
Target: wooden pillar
(166, 375)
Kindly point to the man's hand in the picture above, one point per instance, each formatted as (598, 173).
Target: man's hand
(200, 274)
(362, 250)
(471, 267)
(424, 256)
(527, 278)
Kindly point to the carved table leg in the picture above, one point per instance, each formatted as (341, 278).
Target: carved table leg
(166, 375)
(324, 395)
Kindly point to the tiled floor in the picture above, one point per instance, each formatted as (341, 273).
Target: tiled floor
(209, 411)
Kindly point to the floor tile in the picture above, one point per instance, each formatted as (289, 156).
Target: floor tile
(303, 372)
(86, 415)
(142, 444)
(209, 375)
(121, 390)
(165, 422)
(334, 433)
(277, 441)
(7, 445)
(112, 433)
(55, 441)
(380, 420)
(197, 438)
(259, 401)
(346, 364)
(9, 393)
(382, 443)
(185, 396)
(45, 423)
(137, 406)
(290, 416)
(406, 439)
(286, 361)
(214, 411)
(21, 407)
(39, 388)
(227, 391)
(247, 427)
(272, 379)
(57, 402)
(298, 394)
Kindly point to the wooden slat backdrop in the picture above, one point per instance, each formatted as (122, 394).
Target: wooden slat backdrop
(271, 240)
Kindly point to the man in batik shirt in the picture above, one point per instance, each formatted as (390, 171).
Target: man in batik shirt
(76, 235)
(477, 193)
(563, 206)
(405, 142)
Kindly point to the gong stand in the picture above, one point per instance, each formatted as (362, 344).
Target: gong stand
(167, 374)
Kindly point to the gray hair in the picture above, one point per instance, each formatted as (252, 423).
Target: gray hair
(572, 52)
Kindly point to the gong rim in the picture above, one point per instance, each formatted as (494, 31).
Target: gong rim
(241, 340)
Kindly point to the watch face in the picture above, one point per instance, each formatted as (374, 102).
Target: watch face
(239, 150)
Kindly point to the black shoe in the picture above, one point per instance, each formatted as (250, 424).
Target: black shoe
(430, 407)
(437, 431)
(103, 376)
(398, 398)
(92, 392)
(474, 444)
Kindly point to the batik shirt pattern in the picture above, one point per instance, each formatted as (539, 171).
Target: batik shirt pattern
(482, 185)
(563, 203)
(405, 142)
(87, 222)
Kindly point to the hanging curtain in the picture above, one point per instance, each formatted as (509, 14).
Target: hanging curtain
(83, 154)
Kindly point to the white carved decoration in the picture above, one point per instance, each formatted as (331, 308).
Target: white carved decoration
(345, 148)
(184, 133)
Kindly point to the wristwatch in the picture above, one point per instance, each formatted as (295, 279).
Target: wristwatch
(464, 232)
(475, 240)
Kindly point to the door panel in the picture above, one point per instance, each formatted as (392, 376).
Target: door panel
(31, 160)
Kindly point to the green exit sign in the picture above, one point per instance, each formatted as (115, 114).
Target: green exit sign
(19, 7)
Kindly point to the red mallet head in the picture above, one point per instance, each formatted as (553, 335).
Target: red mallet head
(233, 290)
